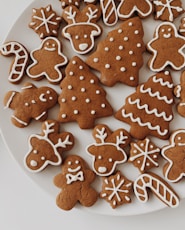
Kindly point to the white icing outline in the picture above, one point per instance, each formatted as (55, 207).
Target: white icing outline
(135, 8)
(104, 4)
(149, 184)
(56, 67)
(165, 148)
(5, 52)
(155, 53)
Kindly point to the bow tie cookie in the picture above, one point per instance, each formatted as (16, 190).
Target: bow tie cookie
(75, 182)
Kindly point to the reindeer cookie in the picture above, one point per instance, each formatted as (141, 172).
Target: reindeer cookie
(20, 61)
(46, 148)
(31, 103)
(75, 182)
(82, 28)
(108, 150)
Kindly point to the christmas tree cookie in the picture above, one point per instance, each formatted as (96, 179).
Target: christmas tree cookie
(82, 98)
(149, 109)
(119, 57)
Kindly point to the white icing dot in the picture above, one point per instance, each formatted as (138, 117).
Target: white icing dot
(70, 87)
(135, 151)
(103, 105)
(43, 158)
(107, 66)
(151, 146)
(76, 37)
(35, 151)
(138, 161)
(106, 49)
(33, 163)
(26, 104)
(130, 24)
(50, 98)
(64, 115)
(111, 39)
(99, 157)
(81, 78)
(110, 160)
(33, 101)
(77, 162)
(118, 58)
(120, 31)
(97, 91)
(93, 112)
(134, 64)
(131, 52)
(136, 32)
(73, 98)
(131, 78)
(69, 163)
(48, 92)
(87, 100)
(95, 60)
(120, 47)
(148, 164)
(81, 67)
(122, 69)
(166, 72)
(83, 90)
(125, 38)
(141, 144)
(92, 81)
(75, 111)
(85, 36)
(73, 62)
(154, 156)
(179, 138)
(63, 100)
(138, 45)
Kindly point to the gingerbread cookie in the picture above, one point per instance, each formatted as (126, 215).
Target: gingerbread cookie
(20, 61)
(149, 109)
(174, 169)
(82, 98)
(109, 12)
(108, 150)
(129, 8)
(31, 103)
(75, 181)
(182, 27)
(82, 27)
(119, 56)
(46, 149)
(167, 10)
(144, 155)
(179, 92)
(65, 3)
(158, 186)
(166, 42)
(116, 190)
(48, 52)
(45, 22)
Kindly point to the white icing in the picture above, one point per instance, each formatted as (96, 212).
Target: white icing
(10, 100)
(40, 116)
(162, 82)
(73, 178)
(19, 120)
(109, 10)
(74, 170)
(178, 91)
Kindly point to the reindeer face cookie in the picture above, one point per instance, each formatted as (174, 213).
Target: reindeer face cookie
(108, 151)
(31, 103)
(46, 148)
(75, 182)
(82, 28)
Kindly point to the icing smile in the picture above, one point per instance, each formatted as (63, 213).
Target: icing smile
(50, 49)
(167, 35)
(75, 169)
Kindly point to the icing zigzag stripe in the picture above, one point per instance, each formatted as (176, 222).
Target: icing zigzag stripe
(148, 124)
(163, 83)
(153, 111)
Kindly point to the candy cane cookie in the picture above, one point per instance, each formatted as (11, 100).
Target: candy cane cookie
(20, 61)
(158, 186)
(110, 16)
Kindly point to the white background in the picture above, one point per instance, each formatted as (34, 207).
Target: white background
(25, 206)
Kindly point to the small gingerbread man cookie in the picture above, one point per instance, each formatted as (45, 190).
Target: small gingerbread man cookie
(166, 42)
(182, 27)
(32, 102)
(49, 52)
(75, 181)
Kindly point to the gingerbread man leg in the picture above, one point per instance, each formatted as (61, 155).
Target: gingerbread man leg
(65, 200)
(88, 196)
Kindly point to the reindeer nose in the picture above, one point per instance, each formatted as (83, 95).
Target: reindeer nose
(102, 169)
(83, 46)
(33, 163)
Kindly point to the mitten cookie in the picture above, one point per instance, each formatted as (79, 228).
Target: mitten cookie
(158, 186)
(167, 10)
(116, 190)
(49, 52)
(129, 8)
(19, 64)
(31, 103)
(179, 92)
(82, 98)
(45, 22)
(174, 153)
(149, 109)
(82, 27)
(75, 181)
(144, 155)
(46, 149)
(108, 150)
(166, 42)
(119, 56)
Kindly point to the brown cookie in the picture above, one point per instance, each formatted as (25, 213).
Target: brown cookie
(31, 103)
(109, 12)
(119, 56)
(108, 150)
(182, 27)
(149, 109)
(75, 181)
(82, 98)
(116, 190)
(45, 22)
(46, 148)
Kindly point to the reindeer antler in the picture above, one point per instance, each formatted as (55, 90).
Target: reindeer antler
(101, 134)
(121, 139)
(91, 14)
(64, 143)
(48, 129)
(71, 14)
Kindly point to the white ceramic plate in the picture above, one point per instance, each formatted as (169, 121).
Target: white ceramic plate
(17, 139)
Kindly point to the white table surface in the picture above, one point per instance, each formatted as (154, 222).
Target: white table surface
(24, 206)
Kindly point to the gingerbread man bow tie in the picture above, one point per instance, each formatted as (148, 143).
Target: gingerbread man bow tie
(72, 178)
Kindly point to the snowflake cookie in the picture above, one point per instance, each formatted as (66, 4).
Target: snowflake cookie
(144, 155)
(45, 22)
(116, 190)
(167, 10)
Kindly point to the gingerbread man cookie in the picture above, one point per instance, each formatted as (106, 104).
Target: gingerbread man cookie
(174, 153)
(31, 103)
(116, 190)
(108, 151)
(182, 27)
(46, 149)
(49, 52)
(127, 8)
(75, 181)
(82, 28)
(166, 42)
(45, 22)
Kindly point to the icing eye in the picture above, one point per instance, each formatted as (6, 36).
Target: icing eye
(43, 158)
(69, 163)
(110, 160)
(77, 162)
(47, 43)
(85, 36)
(48, 92)
(53, 45)
(99, 157)
(35, 151)
(76, 37)
(163, 30)
(169, 29)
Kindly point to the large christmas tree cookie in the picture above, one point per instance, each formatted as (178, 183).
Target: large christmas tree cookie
(149, 109)
(119, 57)
(82, 98)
